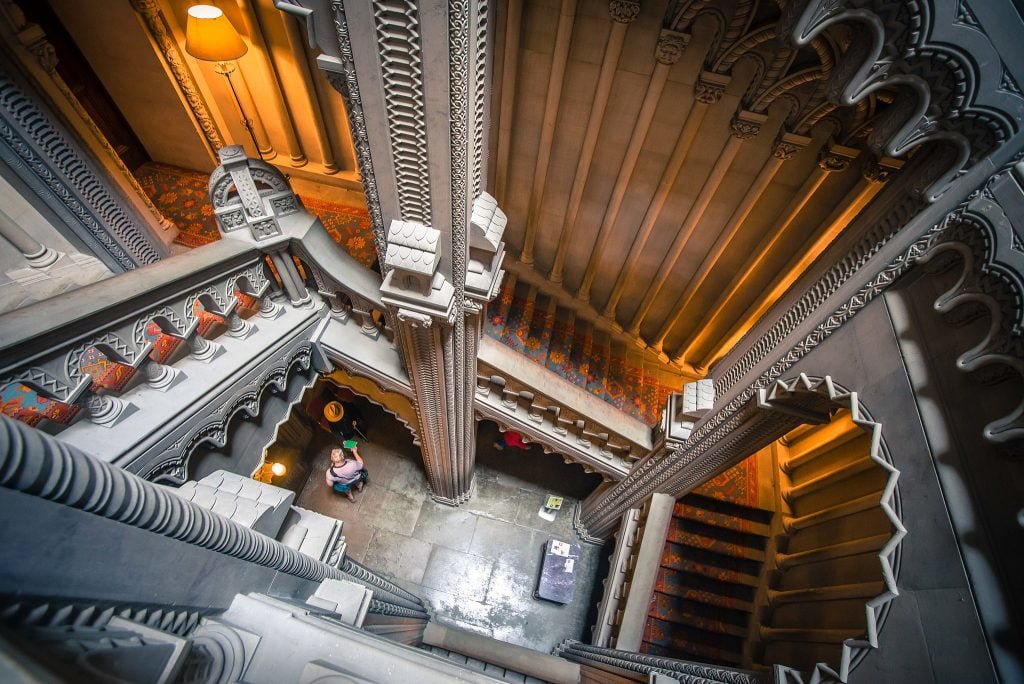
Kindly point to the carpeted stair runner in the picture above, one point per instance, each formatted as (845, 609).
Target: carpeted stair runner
(607, 368)
(710, 571)
(182, 196)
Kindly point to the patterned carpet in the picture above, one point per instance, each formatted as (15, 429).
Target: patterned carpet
(575, 351)
(181, 195)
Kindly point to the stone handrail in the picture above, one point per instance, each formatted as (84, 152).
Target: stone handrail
(351, 289)
(546, 409)
(624, 662)
(37, 464)
(82, 348)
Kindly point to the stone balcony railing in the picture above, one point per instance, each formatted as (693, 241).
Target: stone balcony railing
(170, 353)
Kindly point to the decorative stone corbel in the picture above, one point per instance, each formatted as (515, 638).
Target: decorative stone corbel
(413, 284)
(685, 408)
(486, 250)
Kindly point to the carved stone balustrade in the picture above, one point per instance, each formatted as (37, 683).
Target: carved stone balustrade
(547, 410)
(135, 351)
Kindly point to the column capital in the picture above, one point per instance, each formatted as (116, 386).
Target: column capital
(710, 87)
(787, 145)
(880, 170)
(746, 125)
(836, 157)
(671, 45)
(624, 11)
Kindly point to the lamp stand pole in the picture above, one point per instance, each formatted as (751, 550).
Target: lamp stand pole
(226, 68)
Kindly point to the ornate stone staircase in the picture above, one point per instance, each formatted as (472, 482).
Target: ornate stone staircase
(607, 367)
(707, 583)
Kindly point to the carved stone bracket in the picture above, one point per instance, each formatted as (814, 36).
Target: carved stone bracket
(710, 87)
(836, 157)
(746, 125)
(788, 145)
(624, 11)
(670, 47)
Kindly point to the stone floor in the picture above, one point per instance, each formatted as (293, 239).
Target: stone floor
(477, 565)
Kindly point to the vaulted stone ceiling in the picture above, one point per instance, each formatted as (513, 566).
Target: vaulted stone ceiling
(670, 168)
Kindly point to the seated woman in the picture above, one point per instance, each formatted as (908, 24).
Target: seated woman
(346, 473)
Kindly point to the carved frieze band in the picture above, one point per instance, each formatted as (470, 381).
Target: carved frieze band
(479, 98)
(401, 63)
(38, 464)
(347, 84)
(171, 465)
(56, 165)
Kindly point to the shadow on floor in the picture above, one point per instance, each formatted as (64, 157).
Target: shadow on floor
(476, 565)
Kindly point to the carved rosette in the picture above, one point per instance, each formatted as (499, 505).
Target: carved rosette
(624, 11)
(671, 46)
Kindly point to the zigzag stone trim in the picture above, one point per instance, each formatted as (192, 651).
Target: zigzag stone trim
(37, 464)
(172, 465)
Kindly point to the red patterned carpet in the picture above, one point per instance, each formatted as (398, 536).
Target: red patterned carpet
(181, 195)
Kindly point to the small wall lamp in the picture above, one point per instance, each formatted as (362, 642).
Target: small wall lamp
(268, 471)
(210, 37)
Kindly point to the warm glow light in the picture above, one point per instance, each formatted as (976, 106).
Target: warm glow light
(278, 469)
(209, 35)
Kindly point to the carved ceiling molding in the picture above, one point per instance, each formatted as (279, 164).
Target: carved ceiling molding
(347, 84)
(938, 59)
(55, 169)
(992, 261)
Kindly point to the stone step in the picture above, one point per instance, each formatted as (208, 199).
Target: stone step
(703, 589)
(718, 566)
(716, 539)
(704, 616)
(693, 651)
(724, 514)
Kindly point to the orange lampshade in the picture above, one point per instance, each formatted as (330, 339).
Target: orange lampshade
(209, 35)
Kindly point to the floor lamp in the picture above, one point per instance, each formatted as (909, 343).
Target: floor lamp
(210, 37)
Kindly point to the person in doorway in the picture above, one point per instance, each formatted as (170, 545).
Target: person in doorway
(510, 439)
(346, 473)
(344, 420)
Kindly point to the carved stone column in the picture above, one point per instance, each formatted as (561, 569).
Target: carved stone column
(419, 135)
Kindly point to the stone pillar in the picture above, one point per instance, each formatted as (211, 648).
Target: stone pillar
(419, 128)
(37, 254)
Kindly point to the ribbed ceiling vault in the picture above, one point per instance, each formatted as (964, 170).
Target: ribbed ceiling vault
(671, 168)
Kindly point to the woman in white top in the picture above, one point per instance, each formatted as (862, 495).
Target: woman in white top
(346, 473)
